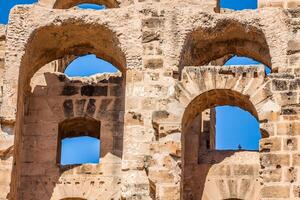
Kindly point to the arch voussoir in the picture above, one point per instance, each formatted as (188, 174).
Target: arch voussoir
(248, 81)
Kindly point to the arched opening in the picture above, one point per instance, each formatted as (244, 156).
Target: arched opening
(245, 61)
(69, 42)
(79, 141)
(200, 154)
(91, 6)
(89, 65)
(98, 4)
(202, 47)
(73, 66)
(45, 111)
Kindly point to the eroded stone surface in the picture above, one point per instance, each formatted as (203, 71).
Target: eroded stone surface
(156, 117)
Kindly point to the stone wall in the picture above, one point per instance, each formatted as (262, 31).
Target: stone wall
(100, 97)
(224, 175)
(6, 131)
(155, 44)
(279, 3)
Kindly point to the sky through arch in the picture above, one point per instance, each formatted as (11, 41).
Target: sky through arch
(89, 65)
(238, 4)
(91, 6)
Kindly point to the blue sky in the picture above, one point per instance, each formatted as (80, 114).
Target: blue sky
(80, 65)
(239, 4)
(87, 150)
(6, 5)
(234, 126)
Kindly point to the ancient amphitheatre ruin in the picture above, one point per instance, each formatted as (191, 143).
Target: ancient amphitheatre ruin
(170, 54)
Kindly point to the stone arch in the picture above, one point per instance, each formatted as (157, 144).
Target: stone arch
(249, 82)
(71, 38)
(66, 4)
(53, 42)
(63, 4)
(217, 97)
(213, 98)
(207, 164)
(227, 37)
(207, 87)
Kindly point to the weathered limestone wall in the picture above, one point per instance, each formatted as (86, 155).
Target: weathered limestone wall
(154, 44)
(224, 175)
(6, 131)
(88, 181)
(204, 169)
(279, 3)
(71, 3)
(6, 161)
(100, 97)
(2, 46)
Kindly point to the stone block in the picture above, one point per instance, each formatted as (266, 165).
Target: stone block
(279, 85)
(296, 191)
(69, 90)
(290, 175)
(160, 175)
(290, 144)
(296, 159)
(150, 36)
(243, 170)
(274, 160)
(90, 90)
(270, 144)
(153, 62)
(275, 192)
(220, 170)
(272, 174)
(288, 128)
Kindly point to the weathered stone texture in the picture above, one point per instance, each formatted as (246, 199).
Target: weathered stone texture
(279, 3)
(156, 117)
